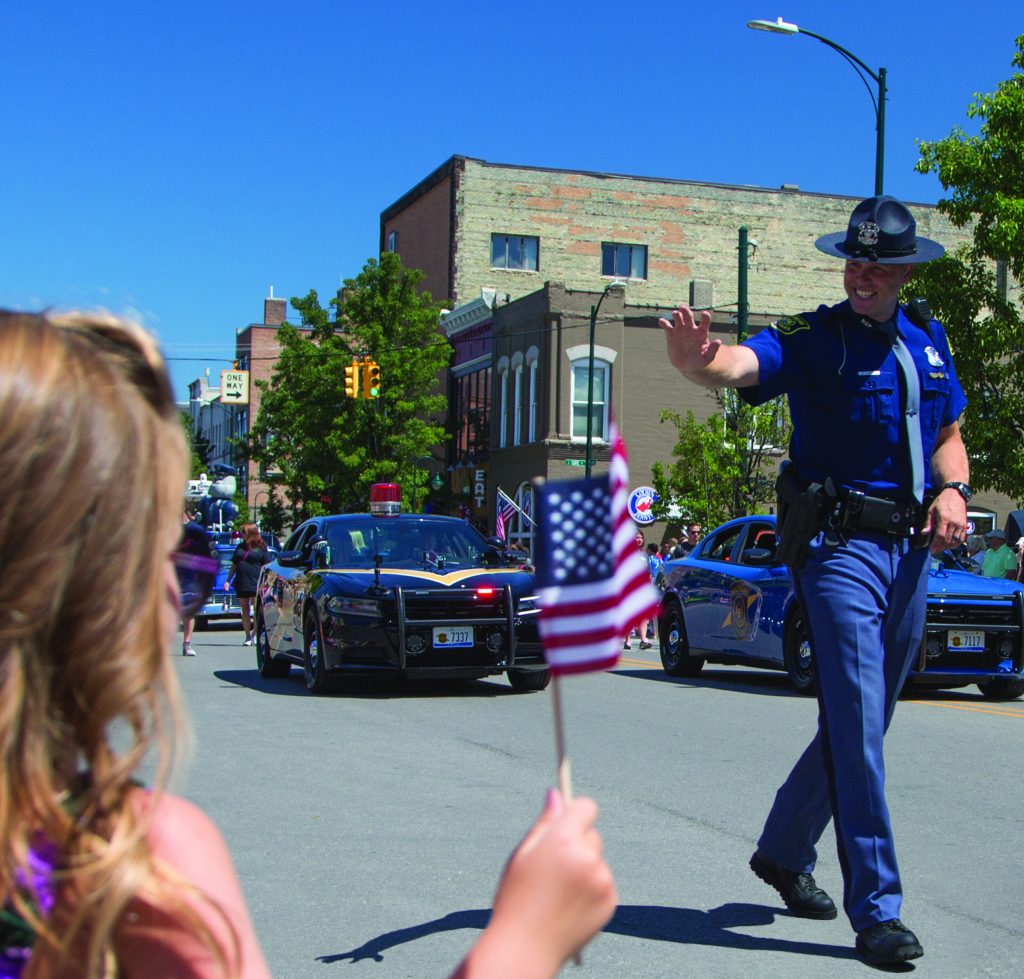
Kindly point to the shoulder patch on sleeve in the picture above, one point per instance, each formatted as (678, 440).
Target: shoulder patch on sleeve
(790, 324)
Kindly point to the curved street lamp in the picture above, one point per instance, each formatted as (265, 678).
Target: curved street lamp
(783, 27)
(588, 461)
(435, 483)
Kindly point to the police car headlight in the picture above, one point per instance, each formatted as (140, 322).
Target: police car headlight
(528, 604)
(341, 605)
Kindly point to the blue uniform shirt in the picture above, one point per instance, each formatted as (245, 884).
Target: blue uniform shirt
(846, 399)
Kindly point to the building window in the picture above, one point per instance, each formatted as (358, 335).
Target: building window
(392, 245)
(471, 403)
(624, 261)
(531, 427)
(503, 404)
(514, 252)
(580, 397)
(517, 404)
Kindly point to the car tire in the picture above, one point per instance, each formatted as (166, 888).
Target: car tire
(269, 667)
(675, 647)
(1000, 689)
(527, 681)
(799, 660)
(318, 680)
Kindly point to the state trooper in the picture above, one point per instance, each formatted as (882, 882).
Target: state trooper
(878, 463)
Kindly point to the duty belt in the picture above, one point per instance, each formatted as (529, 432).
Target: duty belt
(858, 511)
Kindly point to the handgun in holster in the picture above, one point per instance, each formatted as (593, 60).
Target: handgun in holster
(803, 511)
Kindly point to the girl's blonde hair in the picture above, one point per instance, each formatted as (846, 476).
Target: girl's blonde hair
(94, 462)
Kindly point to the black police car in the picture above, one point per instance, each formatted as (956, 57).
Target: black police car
(405, 595)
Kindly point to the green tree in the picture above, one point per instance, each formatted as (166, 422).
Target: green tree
(968, 289)
(330, 448)
(725, 467)
(198, 447)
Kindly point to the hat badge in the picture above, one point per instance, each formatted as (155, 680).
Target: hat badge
(867, 234)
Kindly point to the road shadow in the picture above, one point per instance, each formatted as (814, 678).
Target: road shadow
(768, 683)
(681, 926)
(369, 688)
(765, 683)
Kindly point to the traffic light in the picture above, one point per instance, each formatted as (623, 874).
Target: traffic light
(352, 380)
(371, 379)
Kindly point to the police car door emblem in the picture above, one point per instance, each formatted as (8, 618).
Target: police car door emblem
(934, 357)
(867, 233)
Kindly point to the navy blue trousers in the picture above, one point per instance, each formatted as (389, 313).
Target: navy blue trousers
(864, 601)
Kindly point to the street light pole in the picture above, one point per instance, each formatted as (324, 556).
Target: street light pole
(782, 27)
(435, 482)
(588, 462)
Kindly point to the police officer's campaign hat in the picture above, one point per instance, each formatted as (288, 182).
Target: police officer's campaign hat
(881, 230)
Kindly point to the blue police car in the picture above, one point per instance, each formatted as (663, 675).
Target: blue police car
(730, 601)
(402, 595)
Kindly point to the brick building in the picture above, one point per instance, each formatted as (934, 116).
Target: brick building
(521, 254)
(256, 351)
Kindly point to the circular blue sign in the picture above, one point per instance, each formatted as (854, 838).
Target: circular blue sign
(641, 504)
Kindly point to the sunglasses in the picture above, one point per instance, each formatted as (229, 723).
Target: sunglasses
(196, 568)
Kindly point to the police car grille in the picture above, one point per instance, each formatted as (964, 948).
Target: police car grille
(444, 606)
(999, 618)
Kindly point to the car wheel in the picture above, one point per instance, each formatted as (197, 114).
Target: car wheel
(525, 681)
(675, 647)
(265, 662)
(1000, 689)
(318, 680)
(797, 652)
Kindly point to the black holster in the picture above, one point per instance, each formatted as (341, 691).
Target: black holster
(803, 514)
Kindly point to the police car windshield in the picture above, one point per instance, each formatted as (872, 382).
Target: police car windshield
(407, 542)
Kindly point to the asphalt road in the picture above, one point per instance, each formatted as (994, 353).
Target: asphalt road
(369, 829)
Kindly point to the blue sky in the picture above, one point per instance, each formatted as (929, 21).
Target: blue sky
(174, 161)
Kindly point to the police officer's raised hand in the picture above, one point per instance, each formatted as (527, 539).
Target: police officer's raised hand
(693, 352)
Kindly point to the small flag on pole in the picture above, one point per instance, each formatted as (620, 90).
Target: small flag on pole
(506, 511)
(594, 584)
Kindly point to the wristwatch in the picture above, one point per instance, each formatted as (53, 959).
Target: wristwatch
(962, 488)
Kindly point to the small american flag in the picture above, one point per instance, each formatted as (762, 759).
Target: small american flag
(506, 511)
(594, 584)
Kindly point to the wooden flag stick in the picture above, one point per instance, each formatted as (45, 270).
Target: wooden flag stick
(562, 759)
(564, 768)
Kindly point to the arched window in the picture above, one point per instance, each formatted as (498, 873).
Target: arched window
(531, 418)
(580, 391)
(523, 531)
(503, 402)
(517, 398)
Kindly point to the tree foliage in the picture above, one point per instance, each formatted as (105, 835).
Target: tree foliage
(329, 448)
(198, 447)
(968, 289)
(725, 467)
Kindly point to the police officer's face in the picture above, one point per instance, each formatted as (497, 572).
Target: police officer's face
(873, 289)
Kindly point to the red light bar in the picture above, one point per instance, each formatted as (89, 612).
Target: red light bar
(485, 591)
(385, 500)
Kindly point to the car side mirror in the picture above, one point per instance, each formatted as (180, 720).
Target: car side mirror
(758, 557)
(291, 559)
(321, 554)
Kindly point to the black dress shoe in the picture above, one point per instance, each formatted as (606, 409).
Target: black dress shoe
(799, 892)
(888, 943)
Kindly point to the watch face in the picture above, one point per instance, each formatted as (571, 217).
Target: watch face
(962, 488)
